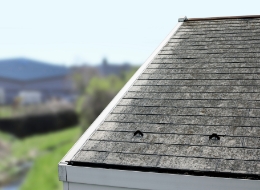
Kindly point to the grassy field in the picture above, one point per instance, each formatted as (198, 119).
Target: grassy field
(6, 137)
(38, 109)
(51, 148)
(9, 111)
(42, 143)
(44, 173)
(44, 151)
(5, 111)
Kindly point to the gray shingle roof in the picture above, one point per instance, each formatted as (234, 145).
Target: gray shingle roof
(205, 80)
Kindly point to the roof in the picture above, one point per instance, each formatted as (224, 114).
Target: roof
(196, 106)
(25, 69)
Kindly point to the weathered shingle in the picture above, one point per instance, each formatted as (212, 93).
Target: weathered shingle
(204, 81)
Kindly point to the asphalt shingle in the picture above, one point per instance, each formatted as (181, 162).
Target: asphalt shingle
(204, 81)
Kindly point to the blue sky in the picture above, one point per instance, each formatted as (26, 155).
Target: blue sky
(77, 31)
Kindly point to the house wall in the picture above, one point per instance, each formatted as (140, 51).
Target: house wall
(61, 87)
(10, 88)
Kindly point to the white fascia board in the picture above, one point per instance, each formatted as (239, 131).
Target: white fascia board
(153, 181)
(62, 171)
(116, 99)
(81, 186)
(65, 186)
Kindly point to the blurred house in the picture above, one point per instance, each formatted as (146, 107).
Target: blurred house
(33, 81)
(106, 68)
(2, 96)
(30, 97)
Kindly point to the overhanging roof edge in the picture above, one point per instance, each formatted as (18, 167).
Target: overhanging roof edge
(116, 99)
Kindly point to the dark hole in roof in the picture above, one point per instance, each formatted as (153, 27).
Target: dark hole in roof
(138, 134)
(214, 136)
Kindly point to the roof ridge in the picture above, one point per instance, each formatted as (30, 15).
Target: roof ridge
(223, 18)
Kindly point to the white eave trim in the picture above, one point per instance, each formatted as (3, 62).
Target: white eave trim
(116, 99)
(154, 181)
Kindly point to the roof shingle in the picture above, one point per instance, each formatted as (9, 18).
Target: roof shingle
(205, 80)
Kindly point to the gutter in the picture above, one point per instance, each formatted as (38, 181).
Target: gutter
(104, 178)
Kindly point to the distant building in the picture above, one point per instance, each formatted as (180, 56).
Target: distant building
(106, 68)
(2, 96)
(30, 97)
(38, 81)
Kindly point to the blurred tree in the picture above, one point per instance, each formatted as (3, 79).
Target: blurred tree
(98, 94)
(81, 77)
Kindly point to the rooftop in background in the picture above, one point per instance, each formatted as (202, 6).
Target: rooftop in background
(26, 69)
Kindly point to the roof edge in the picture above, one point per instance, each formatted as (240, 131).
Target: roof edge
(154, 181)
(223, 18)
(76, 147)
(230, 175)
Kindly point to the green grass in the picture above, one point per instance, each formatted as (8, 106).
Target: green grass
(5, 137)
(44, 151)
(5, 112)
(9, 111)
(7, 140)
(41, 143)
(44, 173)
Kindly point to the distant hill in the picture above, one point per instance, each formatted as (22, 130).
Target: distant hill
(22, 69)
(34, 81)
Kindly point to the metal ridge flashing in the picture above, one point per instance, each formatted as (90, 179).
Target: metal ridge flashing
(116, 99)
(223, 18)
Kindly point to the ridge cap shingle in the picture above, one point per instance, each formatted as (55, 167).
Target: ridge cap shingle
(222, 18)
